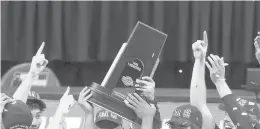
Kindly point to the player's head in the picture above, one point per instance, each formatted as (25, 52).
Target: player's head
(108, 120)
(186, 117)
(16, 115)
(37, 107)
(250, 108)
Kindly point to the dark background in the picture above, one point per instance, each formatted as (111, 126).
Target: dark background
(82, 38)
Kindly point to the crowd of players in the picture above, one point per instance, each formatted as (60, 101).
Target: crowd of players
(23, 110)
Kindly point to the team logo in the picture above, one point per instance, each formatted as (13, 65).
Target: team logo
(128, 81)
(186, 113)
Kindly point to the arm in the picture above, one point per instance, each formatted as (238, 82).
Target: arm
(24, 88)
(217, 74)
(222, 88)
(198, 89)
(198, 86)
(89, 121)
(38, 64)
(84, 95)
(66, 102)
(234, 110)
(142, 109)
(56, 120)
(147, 122)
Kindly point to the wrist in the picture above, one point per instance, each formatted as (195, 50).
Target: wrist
(220, 81)
(60, 110)
(32, 74)
(147, 118)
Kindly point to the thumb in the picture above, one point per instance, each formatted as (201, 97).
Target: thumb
(67, 91)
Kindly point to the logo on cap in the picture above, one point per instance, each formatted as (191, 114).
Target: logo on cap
(186, 113)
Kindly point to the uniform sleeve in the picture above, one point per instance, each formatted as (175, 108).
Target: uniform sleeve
(237, 114)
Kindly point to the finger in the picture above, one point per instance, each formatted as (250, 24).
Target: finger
(218, 61)
(215, 59)
(40, 49)
(67, 91)
(4, 97)
(222, 61)
(140, 89)
(129, 105)
(139, 98)
(149, 79)
(84, 90)
(87, 93)
(205, 38)
(88, 96)
(209, 67)
(257, 47)
(211, 62)
(131, 96)
(5, 102)
(143, 82)
(131, 101)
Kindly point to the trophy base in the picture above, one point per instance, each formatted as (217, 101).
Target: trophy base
(112, 101)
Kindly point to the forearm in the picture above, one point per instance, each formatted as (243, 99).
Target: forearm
(147, 123)
(89, 121)
(56, 120)
(223, 88)
(24, 88)
(198, 85)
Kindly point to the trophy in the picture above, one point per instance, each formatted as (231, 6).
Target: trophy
(137, 58)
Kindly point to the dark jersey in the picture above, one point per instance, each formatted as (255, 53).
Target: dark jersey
(237, 114)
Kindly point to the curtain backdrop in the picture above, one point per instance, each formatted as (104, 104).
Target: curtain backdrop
(83, 38)
(94, 31)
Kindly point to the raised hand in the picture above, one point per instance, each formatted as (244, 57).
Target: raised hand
(38, 62)
(66, 102)
(217, 68)
(146, 86)
(141, 108)
(257, 47)
(4, 100)
(200, 47)
(84, 95)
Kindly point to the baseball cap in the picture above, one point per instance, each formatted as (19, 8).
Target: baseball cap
(17, 115)
(186, 115)
(249, 107)
(107, 119)
(34, 97)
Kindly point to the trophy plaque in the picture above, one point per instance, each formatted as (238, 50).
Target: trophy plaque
(137, 58)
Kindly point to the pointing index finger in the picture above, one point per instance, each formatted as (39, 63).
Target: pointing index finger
(205, 38)
(39, 51)
(67, 91)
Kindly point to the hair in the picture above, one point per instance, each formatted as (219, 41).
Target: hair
(33, 105)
